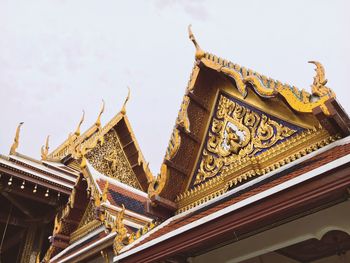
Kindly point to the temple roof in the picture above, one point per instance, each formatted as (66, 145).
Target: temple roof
(54, 176)
(109, 149)
(305, 169)
(96, 212)
(235, 124)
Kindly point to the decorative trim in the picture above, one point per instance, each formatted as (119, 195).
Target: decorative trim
(287, 152)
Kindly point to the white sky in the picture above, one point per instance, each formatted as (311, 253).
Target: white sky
(59, 57)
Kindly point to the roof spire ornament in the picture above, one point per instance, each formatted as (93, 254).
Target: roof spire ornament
(121, 237)
(123, 110)
(45, 149)
(16, 139)
(318, 87)
(77, 131)
(98, 121)
(199, 51)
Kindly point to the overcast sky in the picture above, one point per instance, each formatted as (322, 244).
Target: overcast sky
(60, 57)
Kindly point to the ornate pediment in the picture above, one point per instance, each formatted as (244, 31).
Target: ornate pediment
(109, 159)
(242, 142)
(238, 131)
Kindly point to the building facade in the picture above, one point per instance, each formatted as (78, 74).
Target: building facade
(255, 171)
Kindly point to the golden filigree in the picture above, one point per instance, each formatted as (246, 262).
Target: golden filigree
(237, 78)
(182, 119)
(45, 149)
(121, 238)
(174, 145)
(247, 167)
(110, 160)
(157, 184)
(299, 100)
(319, 85)
(16, 139)
(237, 132)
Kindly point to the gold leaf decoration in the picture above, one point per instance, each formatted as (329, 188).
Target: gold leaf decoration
(237, 132)
(109, 159)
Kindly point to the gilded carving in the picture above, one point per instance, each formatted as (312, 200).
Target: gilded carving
(109, 159)
(121, 238)
(174, 145)
(237, 132)
(299, 100)
(77, 131)
(157, 184)
(45, 149)
(319, 85)
(16, 139)
(182, 119)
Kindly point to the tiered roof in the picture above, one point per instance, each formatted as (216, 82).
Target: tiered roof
(242, 142)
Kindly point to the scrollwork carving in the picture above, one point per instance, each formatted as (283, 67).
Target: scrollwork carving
(237, 132)
(109, 159)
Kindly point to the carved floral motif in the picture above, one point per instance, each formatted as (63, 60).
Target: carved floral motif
(109, 159)
(236, 132)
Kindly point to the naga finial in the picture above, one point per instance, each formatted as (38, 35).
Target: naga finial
(45, 149)
(199, 51)
(83, 162)
(105, 192)
(121, 230)
(16, 139)
(98, 121)
(319, 87)
(77, 131)
(123, 110)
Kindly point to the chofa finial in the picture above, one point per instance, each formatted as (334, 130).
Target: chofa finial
(16, 139)
(98, 121)
(45, 149)
(319, 87)
(123, 110)
(199, 51)
(77, 131)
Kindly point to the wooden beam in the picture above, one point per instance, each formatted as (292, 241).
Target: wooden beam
(198, 101)
(17, 204)
(176, 167)
(16, 173)
(28, 193)
(12, 241)
(14, 221)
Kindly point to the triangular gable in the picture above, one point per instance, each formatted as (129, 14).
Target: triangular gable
(112, 150)
(97, 205)
(235, 124)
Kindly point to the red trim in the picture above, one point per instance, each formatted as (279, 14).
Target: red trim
(299, 199)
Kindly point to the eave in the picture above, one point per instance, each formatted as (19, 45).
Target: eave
(273, 204)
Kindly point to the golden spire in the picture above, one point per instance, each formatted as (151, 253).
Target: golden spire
(98, 121)
(199, 51)
(77, 131)
(123, 110)
(318, 86)
(45, 149)
(16, 139)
